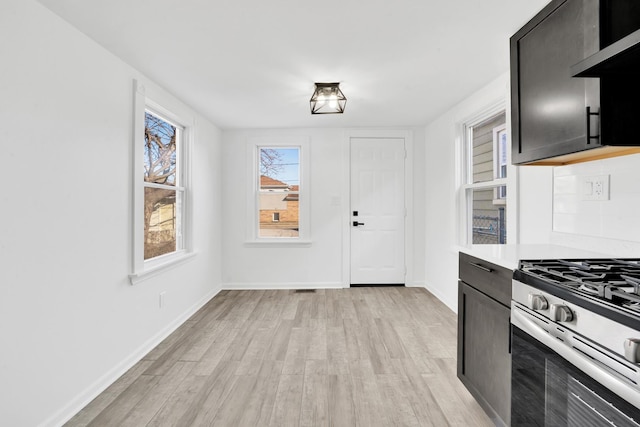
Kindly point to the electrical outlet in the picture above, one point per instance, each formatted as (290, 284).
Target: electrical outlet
(161, 299)
(595, 188)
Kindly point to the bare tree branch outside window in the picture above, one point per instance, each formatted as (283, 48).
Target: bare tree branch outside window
(160, 139)
(270, 162)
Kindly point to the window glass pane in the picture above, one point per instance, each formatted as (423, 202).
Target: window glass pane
(279, 216)
(278, 195)
(159, 150)
(485, 164)
(501, 144)
(279, 169)
(160, 221)
(489, 216)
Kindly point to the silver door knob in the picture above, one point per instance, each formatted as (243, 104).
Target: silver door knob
(561, 313)
(537, 302)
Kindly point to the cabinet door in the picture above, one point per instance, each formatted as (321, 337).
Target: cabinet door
(549, 107)
(484, 361)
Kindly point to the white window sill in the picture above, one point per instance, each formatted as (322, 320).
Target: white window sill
(278, 243)
(158, 268)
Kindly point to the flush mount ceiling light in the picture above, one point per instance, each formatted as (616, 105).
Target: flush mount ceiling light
(328, 99)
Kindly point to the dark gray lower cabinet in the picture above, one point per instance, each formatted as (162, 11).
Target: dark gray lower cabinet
(484, 359)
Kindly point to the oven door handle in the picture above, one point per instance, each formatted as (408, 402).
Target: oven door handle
(617, 383)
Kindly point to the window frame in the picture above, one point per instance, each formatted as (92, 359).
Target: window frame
(498, 131)
(254, 145)
(467, 186)
(166, 108)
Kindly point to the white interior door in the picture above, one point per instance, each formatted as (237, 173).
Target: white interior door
(377, 211)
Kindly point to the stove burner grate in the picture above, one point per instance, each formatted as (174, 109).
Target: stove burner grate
(615, 280)
(633, 306)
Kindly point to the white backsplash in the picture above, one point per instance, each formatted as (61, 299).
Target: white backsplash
(609, 226)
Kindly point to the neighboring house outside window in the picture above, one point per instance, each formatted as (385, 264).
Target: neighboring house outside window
(279, 203)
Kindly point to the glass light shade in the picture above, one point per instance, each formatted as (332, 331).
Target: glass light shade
(328, 99)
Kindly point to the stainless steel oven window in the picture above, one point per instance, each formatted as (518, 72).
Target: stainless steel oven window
(547, 391)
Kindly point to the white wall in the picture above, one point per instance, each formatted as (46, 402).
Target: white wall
(420, 206)
(609, 226)
(322, 264)
(70, 321)
(443, 177)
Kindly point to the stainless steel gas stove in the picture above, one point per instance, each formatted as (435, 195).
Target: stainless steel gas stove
(576, 342)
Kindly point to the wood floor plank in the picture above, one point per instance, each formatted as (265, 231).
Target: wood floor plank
(377, 356)
(156, 396)
(390, 339)
(369, 405)
(317, 349)
(314, 406)
(259, 404)
(178, 405)
(288, 403)
(212, 397)
(450, 393)
(217, 350)
(342, 411)
(337, 353)
(396, 403)
(169, 343)
(104, 399)
(425, 407)
(115, 414)
(415, 349)
(294, 362)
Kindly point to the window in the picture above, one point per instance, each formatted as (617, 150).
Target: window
(163, 190)
(280, 213)
(161, 210)
(484, 186)
(279, 192)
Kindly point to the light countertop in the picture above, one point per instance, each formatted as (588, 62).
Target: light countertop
(508, 256)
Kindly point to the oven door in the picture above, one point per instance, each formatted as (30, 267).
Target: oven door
(549, 391)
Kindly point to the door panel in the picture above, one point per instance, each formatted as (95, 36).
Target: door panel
(377, 195)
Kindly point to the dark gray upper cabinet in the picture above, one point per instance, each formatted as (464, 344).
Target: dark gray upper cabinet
(555, 117)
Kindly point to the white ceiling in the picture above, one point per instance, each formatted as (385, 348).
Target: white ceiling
(252, 63)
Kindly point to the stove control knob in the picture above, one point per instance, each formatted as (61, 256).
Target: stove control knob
(561, 313)
(632, 350)
(537, 302)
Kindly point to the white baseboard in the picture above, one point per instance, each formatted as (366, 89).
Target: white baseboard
(100, 385)
(280, 285)
(453, 305)
(418, 284)
(255, 286)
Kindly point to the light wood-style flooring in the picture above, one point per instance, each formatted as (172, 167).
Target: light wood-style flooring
(378, 356)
